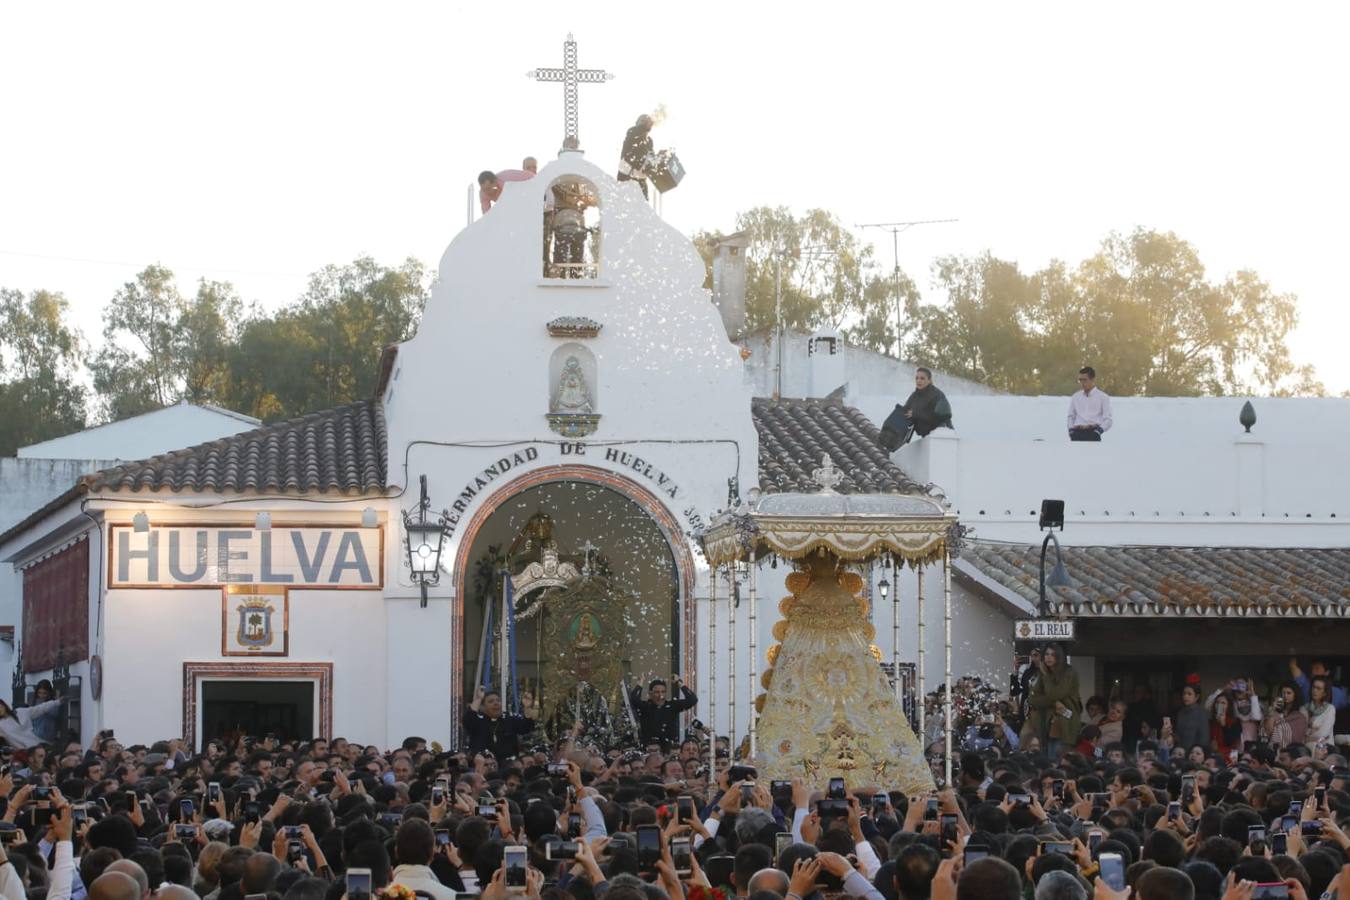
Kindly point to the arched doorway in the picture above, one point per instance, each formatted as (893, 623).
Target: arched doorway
(596, 519)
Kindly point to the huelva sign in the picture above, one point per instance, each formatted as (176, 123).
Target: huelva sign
(208, 556)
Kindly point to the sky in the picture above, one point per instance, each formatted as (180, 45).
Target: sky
(257, 142)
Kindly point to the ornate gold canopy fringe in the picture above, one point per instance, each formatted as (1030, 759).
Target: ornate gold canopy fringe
(916, 541)
(913, 528)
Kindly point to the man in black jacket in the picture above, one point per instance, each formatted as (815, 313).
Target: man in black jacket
(636, 155)
(927, 408)
(491, 730)
(659, 718)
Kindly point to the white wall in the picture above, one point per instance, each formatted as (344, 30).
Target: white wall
(669, 390)
(1170, 471)
(420, 657)
(151, 633)
(666, 367)
(875, 380)
(43, 471)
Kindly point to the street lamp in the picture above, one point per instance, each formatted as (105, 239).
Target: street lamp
(884, 587)
(1052, 517)
(424, 537)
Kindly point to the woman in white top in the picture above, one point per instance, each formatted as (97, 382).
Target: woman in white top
(1321, 714)
(16, 725)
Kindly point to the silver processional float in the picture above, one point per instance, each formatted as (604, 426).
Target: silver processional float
(827, 709)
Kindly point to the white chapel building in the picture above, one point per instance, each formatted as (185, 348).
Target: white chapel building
(578, 412)
(584, 415)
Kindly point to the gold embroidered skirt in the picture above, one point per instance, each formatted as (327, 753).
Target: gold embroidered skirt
(828, 710)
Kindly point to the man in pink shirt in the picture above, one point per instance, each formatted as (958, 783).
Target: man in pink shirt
(490, 184)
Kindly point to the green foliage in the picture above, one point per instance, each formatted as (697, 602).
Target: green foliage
(321, 351)
(324, 350)
(160, 347)
(1141, 311)
(813, 272)
(40, 393)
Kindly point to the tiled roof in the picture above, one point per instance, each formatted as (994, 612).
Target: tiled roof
(340, 449)
(795, 434)
(1176, 580)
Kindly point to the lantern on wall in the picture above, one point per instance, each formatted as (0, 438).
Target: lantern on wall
(423, 539)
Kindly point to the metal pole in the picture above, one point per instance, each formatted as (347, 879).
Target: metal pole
(712, 663)
(778, 326)
(918, 674)
(895, 631)
(947, 629)
(895, 228)
(895, 255)
(468, 207)
(731, 658)
(1040, 607)
(503, 663)
(754, 654)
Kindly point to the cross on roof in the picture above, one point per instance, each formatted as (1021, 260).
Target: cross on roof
(570, 76)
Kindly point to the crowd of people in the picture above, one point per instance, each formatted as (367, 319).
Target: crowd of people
(1045, 709)
(1030, 813)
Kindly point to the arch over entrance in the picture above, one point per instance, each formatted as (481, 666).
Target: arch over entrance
(634, 527)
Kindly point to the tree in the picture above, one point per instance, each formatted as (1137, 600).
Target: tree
(828, 276)
(985, 332)
(1140, 310)
(324, 350)
(208, 327)
(159, 347)
(40, 393)
(320, 351)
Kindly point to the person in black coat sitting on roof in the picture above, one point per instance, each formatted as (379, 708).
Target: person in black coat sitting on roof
(488, 728)
(659, 718)
(927, 408)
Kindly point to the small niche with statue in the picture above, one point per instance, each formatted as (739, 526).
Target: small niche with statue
(573, 410)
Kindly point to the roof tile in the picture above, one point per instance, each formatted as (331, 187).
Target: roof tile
(795, 434)
(340, 450)
(1176, 577)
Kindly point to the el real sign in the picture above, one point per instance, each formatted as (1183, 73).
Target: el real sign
(1043, 630)
(203, 556)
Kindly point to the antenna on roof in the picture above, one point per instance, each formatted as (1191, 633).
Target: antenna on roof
(895, 228)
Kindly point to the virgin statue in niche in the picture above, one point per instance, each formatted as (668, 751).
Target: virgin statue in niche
(573, 396)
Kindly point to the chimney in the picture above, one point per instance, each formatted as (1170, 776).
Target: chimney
(728, 270)
(825, 352)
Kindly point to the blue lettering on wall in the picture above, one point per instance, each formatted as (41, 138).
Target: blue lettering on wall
(310, 567)
(175, 570)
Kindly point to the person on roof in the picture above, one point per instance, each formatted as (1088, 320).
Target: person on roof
(490, 184)
(635, 160)
(927, 407)
(1089, 408)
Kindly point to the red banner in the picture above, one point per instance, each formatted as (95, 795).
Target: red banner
(56, 609)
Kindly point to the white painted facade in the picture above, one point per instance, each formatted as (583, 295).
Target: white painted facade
(39, 473)
(872, 381)
(1171, 471)
(471, 390)
(466, 404)
(466, 399)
